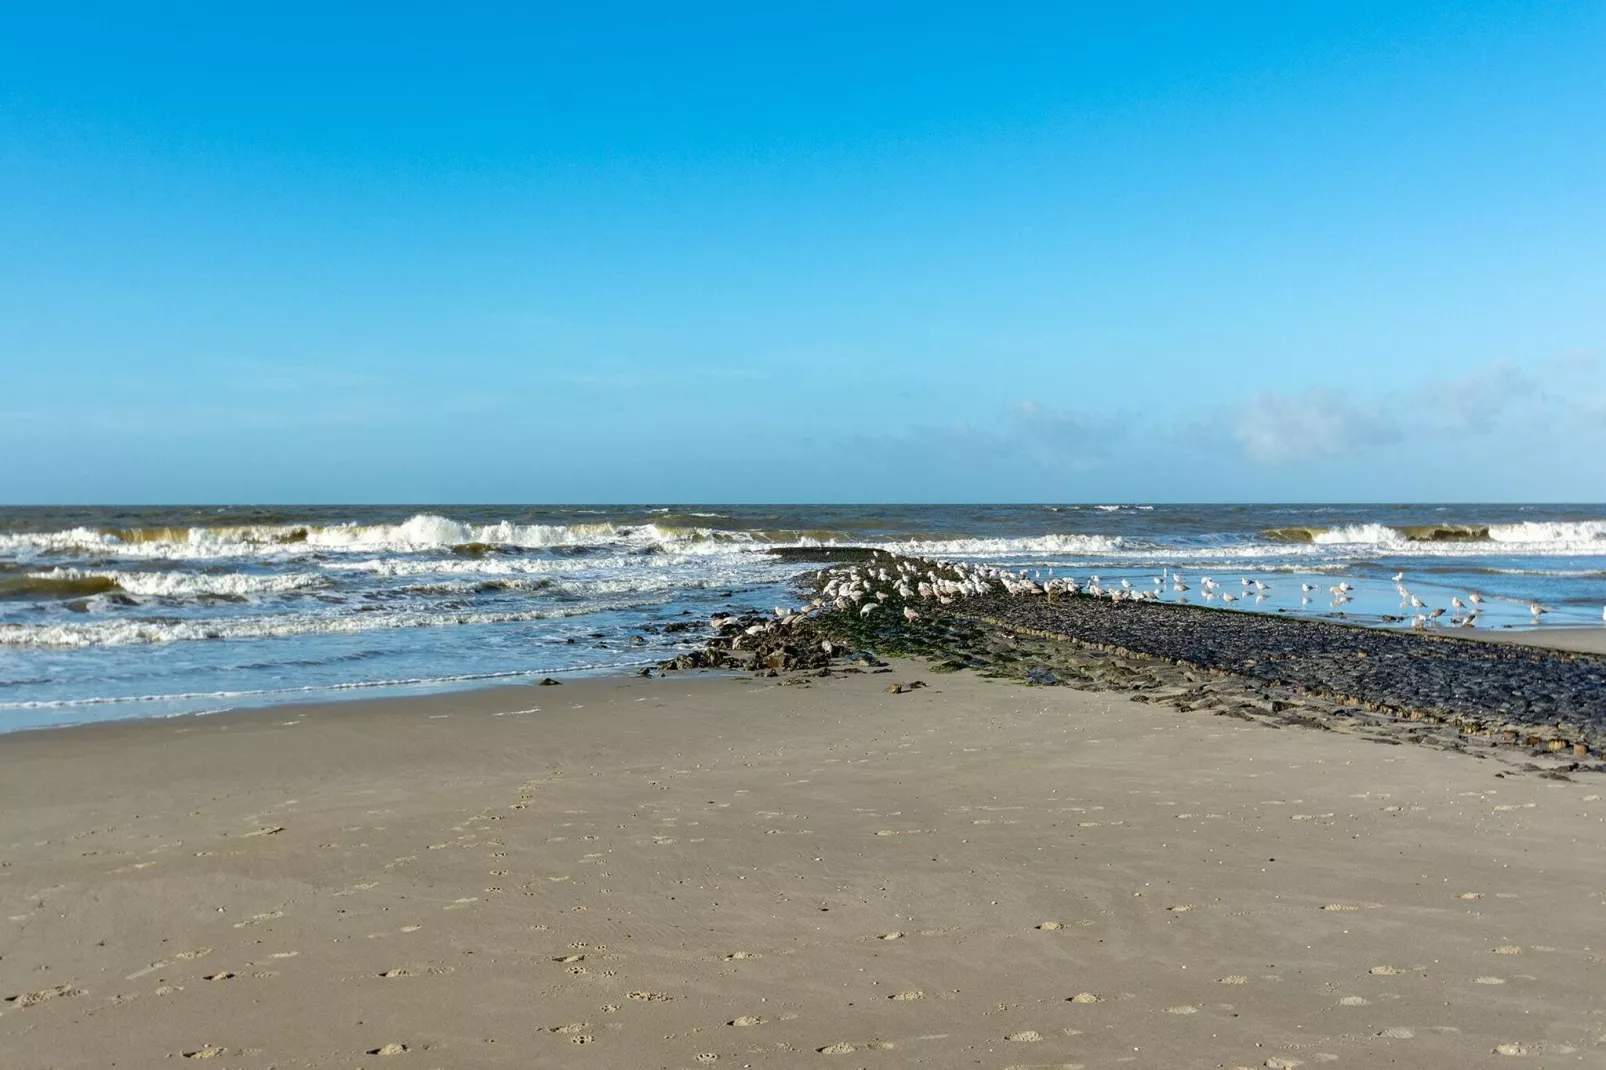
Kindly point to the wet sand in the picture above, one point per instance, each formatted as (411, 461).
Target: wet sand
(1576, 640)
(712, 870)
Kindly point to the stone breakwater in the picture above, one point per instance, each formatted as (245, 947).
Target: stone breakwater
(1489, 699)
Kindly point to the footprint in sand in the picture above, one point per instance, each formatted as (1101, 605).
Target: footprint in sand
(1510, 1049)
(258, 919)
(397, 973)
(905, 996)
(1382, 971)
(1339, 906)
(1086, 997)
(1508, 949)
(390, 1049)
(1030, 1036)
(842, 1048)
(221, 975)
(1397, 1032)
(890, 936)
(197, 953)
(1184, 1009)
(736, 955)
(32, 999)
(706, 1057)
(206, 1051)
(649, 997)
(1354, 1001)
(746, 1020)
(1232, 979)
(1489, 981)
(1051, 926)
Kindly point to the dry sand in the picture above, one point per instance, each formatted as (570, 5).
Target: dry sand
(670, 873)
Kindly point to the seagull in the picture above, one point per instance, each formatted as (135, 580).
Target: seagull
(1307, 587)
(1417, 603)
(1457, 603)
(1537, 610)
(1436, 614)
(1475, 598)
(1228, 597)
(869, 608)
(1399, 577)
(911, 615)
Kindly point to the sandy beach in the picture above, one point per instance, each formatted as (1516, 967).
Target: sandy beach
(721, 870)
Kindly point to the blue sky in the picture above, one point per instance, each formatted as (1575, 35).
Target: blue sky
(849, 252)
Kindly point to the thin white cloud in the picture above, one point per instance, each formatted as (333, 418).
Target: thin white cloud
(1276, 428)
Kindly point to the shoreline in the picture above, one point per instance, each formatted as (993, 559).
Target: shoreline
(1566, 640)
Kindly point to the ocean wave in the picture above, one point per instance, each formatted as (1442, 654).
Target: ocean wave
(48, 587)
(1537, 532)
(421, 532)
(1571, 536)
(175, 584)
(1005, 547)
(131, 632)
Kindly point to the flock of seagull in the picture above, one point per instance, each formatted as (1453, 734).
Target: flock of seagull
(865, 587)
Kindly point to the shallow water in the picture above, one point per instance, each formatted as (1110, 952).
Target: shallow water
(110, 613)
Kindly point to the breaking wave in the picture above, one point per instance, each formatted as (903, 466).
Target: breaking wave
(119, 632)
(1572, 536)
(173, 584)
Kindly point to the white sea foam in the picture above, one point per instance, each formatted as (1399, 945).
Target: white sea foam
(1534, 533)
(262, 692)
(192, 584)
(422, 532)
(1363, 535)
(127, 632)
(1004, 548)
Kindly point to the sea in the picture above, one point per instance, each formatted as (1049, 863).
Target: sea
(111, 613)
